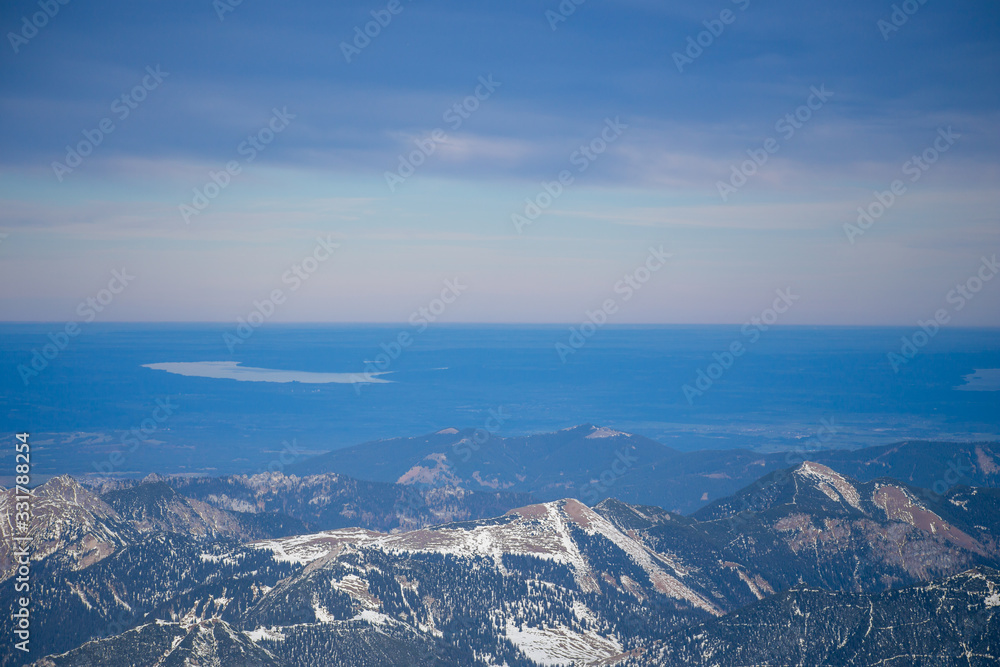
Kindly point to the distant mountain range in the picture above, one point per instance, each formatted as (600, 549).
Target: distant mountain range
(805, 565)
(592, 463)
(273, 504)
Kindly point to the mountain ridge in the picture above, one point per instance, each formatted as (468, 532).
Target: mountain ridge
(573, 462)
(547, 583)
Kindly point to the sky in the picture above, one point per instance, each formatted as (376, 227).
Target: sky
(229, 147)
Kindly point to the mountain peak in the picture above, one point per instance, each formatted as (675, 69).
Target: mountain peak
(60, 483)
(837, 487)
(592, 431)
(604, 432)
(809, 487)
(563, 532)
(65, 489)
(69, 522)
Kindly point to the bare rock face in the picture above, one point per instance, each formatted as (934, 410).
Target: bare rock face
(811, 524)
(155, 506)
(329, 501)
(68, 523)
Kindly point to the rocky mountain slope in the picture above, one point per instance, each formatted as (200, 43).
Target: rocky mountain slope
(156, 506)
(105, 562)
(549, 579)
(810, 524)
(328, 501)
(68, 524)
(806, 549)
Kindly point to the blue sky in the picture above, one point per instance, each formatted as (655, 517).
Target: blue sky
(655, 184)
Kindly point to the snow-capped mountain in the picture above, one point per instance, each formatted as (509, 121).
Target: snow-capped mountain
(559, 533)
(547, 580)
(68, 523)
(829, 530)
(553, 583)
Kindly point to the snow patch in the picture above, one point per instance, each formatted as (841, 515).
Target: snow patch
(80, 594)
(357, 588)
(226, 559)
(583, 612)
(558, 645)
(304, 549)
(322, 614)
(273, 634)
(604, 433)
(373, 617)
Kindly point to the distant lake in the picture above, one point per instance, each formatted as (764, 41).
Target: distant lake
(98, 397)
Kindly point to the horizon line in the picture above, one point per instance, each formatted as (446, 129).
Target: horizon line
(404, 324)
